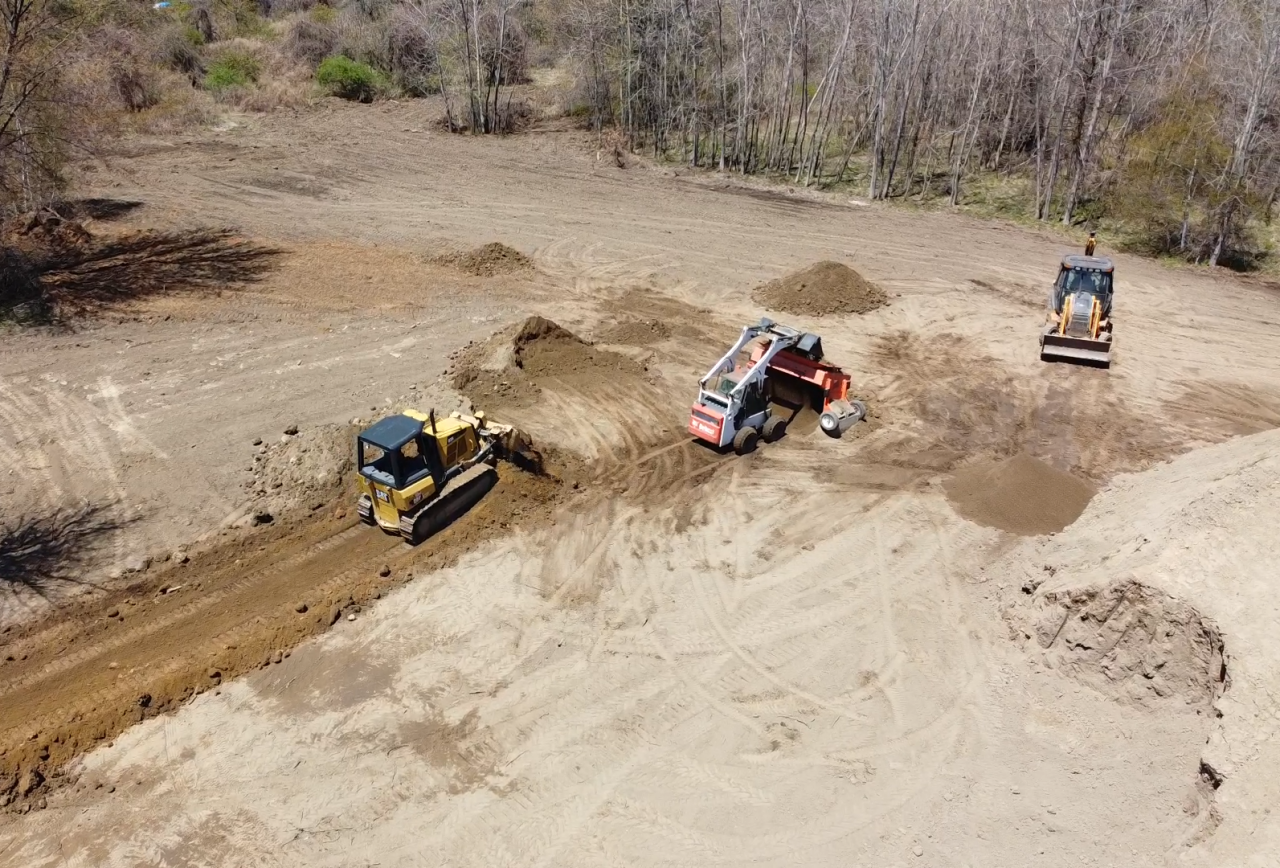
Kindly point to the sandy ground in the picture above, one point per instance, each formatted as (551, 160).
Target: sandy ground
(801, 657)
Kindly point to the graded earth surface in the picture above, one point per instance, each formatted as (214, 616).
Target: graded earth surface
(897, 648)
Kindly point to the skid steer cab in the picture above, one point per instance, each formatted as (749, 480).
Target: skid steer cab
(418, 473)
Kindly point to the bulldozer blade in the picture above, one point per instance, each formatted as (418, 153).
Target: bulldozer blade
(517, 447)
(1056, 346)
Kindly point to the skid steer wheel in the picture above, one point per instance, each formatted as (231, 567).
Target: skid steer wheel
(745, 440)
(775, 427)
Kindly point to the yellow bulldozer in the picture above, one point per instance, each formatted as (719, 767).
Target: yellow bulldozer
(418, 473)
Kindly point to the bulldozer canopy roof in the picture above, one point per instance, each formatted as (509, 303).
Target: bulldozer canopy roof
(1092, 263)
(392, 432)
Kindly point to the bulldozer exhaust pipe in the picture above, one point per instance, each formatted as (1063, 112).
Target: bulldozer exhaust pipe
(840, 416)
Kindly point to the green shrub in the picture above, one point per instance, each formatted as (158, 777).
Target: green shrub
(232, 70)
(348, 78)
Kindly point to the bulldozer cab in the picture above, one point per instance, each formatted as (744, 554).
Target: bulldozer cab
(397, 453)
(1087, 274)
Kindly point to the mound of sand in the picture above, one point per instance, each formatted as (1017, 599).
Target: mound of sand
(821, 289)
(637, 332)
(512, 366)
(1022, 495)
(488, 261)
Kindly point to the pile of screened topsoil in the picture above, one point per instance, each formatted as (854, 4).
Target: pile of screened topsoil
(488, 261)
(1022, 495)
(512, 366)
(821, 289)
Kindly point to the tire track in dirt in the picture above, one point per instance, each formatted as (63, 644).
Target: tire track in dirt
(697, 663)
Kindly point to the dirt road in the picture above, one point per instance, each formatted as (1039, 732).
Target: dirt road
(795, 657)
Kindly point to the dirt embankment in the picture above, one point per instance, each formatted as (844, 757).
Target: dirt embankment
(303, 470)
(825, 288)
(489, 260)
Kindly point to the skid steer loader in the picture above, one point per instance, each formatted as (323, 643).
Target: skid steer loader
(733, 405)
(418, 473)
(1078, 326)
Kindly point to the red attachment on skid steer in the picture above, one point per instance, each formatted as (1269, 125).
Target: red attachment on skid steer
(839, 413)
(830, 380)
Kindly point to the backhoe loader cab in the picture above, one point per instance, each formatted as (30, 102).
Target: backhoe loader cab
(1078, 326)
(1088, 274)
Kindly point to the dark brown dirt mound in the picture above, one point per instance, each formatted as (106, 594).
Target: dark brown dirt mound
(636, 332)
(512, 366)
(1022, 495)
(821, 289)
(488, 261)
(43, 229)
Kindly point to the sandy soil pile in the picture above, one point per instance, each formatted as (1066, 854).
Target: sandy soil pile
(1133, 640)
(637, 332)
(821, 289)
(1021, 494)
(488, 261)
(511, 366)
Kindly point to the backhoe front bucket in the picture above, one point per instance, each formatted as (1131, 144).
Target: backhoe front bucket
(1067, 348)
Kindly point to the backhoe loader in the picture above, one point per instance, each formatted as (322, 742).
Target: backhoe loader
(1078, 325)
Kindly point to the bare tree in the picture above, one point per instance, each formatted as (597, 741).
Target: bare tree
(33, 133)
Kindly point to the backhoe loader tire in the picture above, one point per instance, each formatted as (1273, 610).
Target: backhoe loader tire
(775, 428)
(745, 440)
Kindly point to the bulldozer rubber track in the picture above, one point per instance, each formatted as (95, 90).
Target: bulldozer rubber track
(459, 494)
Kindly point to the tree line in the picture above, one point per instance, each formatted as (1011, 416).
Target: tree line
(1161, 112)
(1162, 115)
